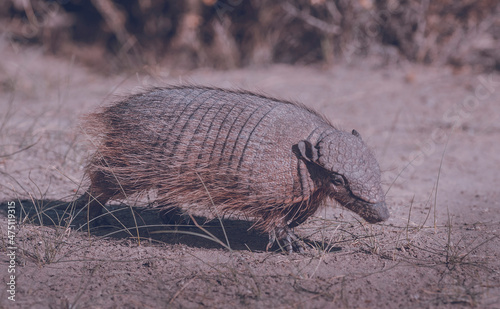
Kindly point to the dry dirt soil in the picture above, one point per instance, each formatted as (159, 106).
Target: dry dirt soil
(435, 132)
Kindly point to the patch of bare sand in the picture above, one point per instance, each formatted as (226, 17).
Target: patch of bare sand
(424, 123)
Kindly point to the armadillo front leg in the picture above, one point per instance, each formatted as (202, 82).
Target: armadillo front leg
(290, 241)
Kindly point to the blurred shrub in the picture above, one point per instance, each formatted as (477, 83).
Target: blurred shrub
(115, 34)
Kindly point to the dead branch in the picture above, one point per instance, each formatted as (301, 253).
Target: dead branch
(311, 20)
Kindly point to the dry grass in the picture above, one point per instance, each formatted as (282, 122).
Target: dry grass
(462, 273)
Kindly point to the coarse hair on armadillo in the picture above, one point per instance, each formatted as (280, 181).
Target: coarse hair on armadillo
(208, 146)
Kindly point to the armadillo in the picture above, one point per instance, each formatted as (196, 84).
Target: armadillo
(272, 160)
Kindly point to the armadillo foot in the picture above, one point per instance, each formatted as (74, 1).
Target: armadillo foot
(291, 243)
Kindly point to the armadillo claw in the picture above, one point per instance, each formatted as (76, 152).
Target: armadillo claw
(291, 243)
(272, 240)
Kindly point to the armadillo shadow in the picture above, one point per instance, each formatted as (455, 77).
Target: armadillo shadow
(122, 221)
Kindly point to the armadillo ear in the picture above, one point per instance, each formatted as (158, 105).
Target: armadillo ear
(356, 133)
(306, 151)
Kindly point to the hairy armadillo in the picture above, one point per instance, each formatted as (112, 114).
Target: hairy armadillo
(272, 160)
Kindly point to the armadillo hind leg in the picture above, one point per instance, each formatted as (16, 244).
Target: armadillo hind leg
(173, 215)
(291, 243)
(101, 190)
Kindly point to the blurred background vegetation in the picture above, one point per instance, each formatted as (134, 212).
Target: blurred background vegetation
(112, 35)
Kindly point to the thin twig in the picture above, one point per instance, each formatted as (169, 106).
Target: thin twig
(311, 20)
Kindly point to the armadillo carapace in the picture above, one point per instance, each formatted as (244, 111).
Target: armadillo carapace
(272, 160)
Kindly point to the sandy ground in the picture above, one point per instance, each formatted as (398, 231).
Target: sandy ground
(436, 135)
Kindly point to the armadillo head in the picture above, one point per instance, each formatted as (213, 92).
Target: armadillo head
(351, 171)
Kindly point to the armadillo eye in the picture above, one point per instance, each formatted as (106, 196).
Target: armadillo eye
(337, 180)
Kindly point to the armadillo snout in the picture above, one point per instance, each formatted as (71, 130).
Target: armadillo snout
(378, 212)
(371, 212)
